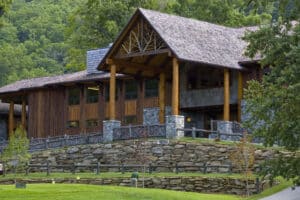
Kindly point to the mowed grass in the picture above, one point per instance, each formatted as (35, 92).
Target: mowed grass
(93, 192)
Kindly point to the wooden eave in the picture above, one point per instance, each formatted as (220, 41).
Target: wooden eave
(137, 64)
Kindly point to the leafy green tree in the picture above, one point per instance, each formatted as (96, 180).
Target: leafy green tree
(4, 4)
(16, 153)
(274, 101)
(97, 23)
(243, 158)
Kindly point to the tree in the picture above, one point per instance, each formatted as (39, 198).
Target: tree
(4, 4)
(243, 158)
(274, 101)
(97, 22)
(16, 155)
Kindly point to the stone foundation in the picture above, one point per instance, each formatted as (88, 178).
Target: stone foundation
(108, 127)
(173, 122)
(165, 153)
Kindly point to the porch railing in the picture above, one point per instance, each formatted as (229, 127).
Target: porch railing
(139, 131)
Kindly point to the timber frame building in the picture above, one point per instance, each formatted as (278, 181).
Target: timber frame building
(160, 69)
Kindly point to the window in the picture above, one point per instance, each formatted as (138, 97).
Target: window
(74, 96)
(151, 88)
(203, 78)
(91, 123)
(106, 93)
(131, 119)
(131, 90)
(92, 94)
(72, 124)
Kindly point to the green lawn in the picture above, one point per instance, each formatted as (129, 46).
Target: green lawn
(92, 192)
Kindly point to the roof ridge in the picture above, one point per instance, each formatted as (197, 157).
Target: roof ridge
(193, 19)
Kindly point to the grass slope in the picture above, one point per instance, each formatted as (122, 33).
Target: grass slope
(92, 192)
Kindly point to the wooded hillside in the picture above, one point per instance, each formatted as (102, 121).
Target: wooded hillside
(43, 37)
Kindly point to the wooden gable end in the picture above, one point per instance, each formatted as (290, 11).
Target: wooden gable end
(141, 40)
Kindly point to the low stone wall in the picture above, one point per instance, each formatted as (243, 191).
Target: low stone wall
(190, 184)
(164, 153)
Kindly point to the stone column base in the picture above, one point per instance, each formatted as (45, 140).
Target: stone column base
(172, 123)
(108, 127)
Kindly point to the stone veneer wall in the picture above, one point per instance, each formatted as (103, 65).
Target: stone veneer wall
(159, 152)
(151, 115)
(191, 184)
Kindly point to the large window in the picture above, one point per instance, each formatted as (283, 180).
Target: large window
(106, 93)
(130, 119)
(74, 96)
(92, 94)
(151, 88)
(90, 123)
(203, 78)
(131, 90)
(72, 124)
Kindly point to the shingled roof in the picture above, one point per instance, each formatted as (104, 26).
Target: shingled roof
(93, 58)
(35, 83)
(197, 41)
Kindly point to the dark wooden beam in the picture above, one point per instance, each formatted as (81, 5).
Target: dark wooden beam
(146, 53)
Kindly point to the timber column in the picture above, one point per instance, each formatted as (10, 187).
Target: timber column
(23, 116)
(162, 97)
(240, 95)
(175, 121)
(112, 123)
(226, 116)
(11, 118)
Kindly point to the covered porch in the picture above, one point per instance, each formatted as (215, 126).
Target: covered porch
(144, 49)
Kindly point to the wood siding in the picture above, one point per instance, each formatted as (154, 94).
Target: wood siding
(46, 113)
(49, 111)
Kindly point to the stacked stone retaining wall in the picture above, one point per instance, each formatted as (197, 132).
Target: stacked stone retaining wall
(164, 153)
(190, 184)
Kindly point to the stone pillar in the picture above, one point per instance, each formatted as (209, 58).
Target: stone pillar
(172, 123)
(108, 127)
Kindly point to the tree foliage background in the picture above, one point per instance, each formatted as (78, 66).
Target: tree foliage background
(274, 102)
(45, 37)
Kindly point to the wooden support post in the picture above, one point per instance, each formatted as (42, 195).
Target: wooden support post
(175, 87)
(11, 118)
(23, 116)
(82, 109)
(112, 92)
(161, 97)
(240, 95)
(226, 116)
(101, 103)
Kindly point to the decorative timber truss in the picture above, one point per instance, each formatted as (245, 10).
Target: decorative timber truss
(141, 40)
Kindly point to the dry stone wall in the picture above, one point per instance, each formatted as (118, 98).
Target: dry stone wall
(164, 153)
(191, 184)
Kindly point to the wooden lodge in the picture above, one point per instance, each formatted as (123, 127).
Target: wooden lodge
(159, 65)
